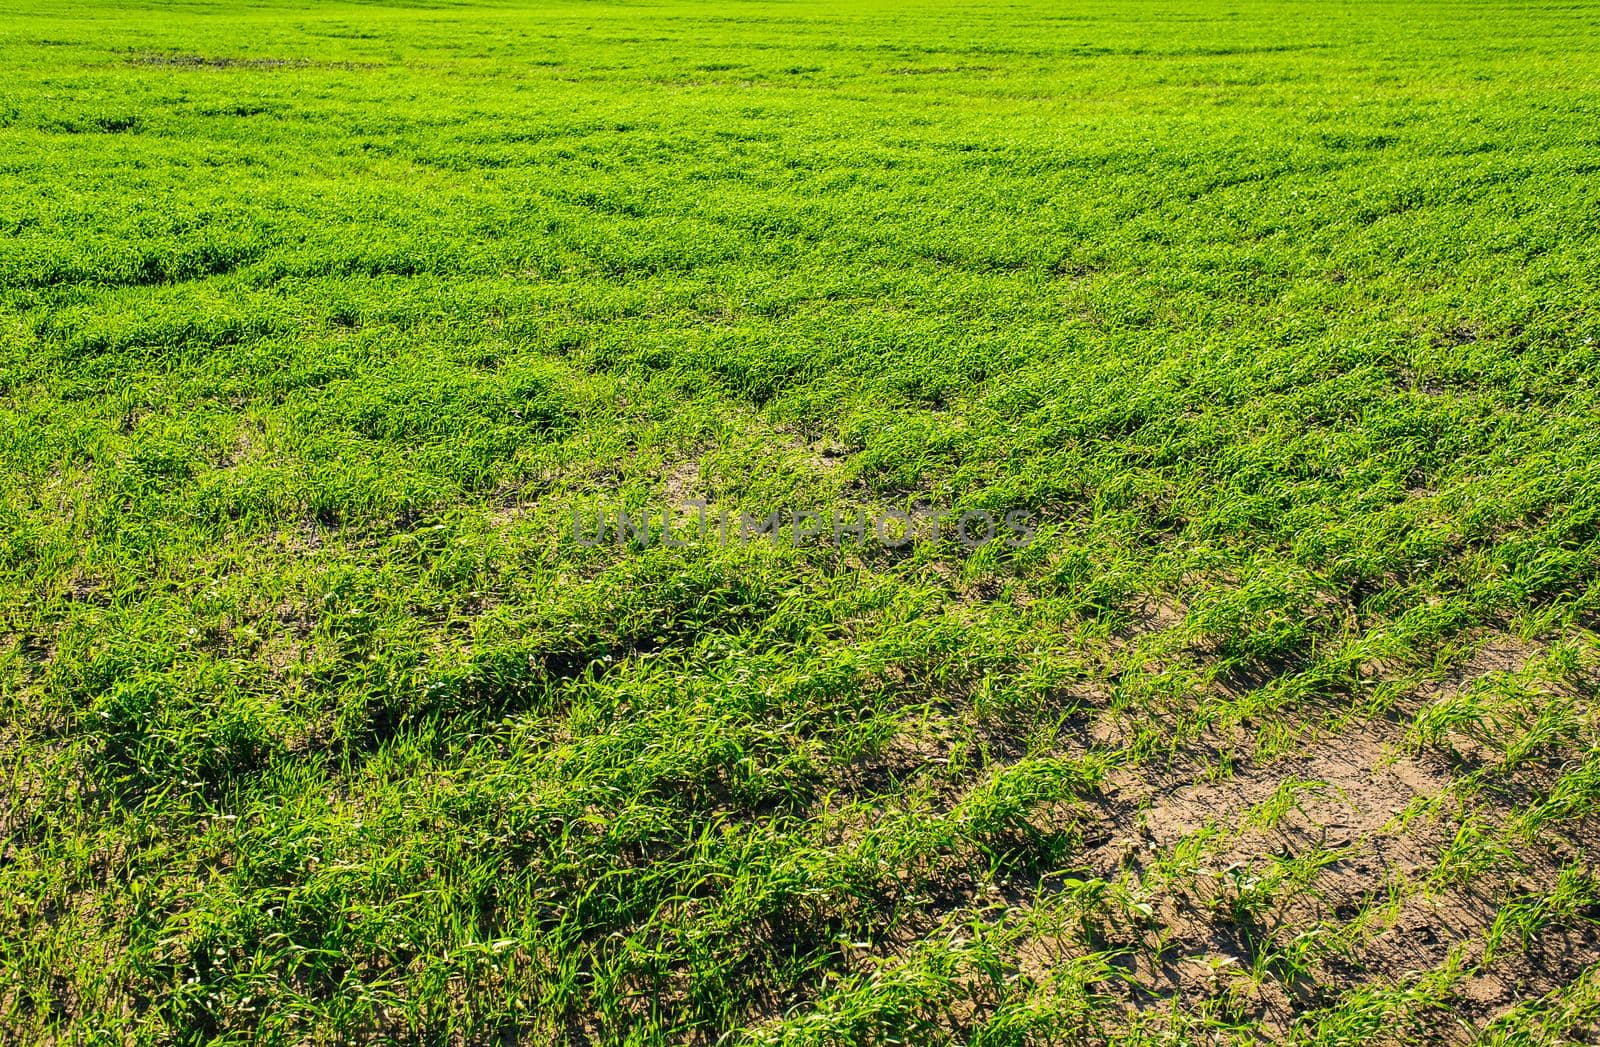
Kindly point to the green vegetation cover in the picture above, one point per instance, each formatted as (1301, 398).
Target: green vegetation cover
(330, 334)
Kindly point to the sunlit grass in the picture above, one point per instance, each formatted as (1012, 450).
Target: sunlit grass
(319, 724)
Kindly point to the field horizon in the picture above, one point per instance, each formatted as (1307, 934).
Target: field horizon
(1131, 561)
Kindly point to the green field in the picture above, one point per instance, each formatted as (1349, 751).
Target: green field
(322, 720)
